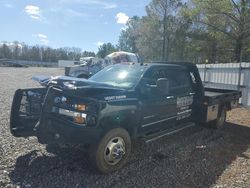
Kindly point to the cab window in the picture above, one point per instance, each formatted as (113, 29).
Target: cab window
(153, 75)
(179, 81)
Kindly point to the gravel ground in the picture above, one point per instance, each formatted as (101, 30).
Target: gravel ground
(197, 157)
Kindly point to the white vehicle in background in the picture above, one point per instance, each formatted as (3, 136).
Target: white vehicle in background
(86, 59)
(85, 68)
(91, 65)
(121, 56)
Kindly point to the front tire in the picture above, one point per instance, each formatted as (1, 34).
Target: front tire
(112, 152)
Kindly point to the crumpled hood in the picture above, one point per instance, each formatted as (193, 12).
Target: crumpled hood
(71, 83)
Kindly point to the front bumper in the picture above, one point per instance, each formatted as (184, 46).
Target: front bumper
(52, 129)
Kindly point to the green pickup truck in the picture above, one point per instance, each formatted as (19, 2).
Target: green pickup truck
(118, 104)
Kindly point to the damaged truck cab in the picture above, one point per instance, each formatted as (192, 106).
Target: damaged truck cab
(120, 103)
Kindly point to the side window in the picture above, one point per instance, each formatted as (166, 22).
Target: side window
(150, 78)
(179, 81)
(153, 75)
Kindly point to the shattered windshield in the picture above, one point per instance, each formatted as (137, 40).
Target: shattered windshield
(123, 76)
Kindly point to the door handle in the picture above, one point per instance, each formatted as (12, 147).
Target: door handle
(169, 97)
(191, 93)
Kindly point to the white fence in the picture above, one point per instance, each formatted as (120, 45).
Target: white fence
(8, 62)
(235, 76)
(36, 63)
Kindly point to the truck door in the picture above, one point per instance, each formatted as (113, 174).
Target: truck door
(180, 87)
(25, 111)
(158, 111)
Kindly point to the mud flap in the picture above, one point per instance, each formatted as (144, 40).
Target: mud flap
(25, 111)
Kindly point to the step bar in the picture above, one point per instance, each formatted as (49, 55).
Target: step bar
(166, 133)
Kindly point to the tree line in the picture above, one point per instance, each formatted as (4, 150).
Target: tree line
(22, 51)
(212, 31)
(198, 31)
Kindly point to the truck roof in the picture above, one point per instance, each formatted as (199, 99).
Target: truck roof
(169, 64)
(183, 63)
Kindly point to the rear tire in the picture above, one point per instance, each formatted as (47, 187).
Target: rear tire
(220, 121)
(112, 152)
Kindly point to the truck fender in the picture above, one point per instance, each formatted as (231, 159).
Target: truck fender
(125, 121)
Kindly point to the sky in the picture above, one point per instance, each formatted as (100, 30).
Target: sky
(85, 24)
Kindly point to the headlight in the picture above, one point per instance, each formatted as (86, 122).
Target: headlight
(64, 102)
(80, 107)
(75, 110)
(76, 117)
(58, 100)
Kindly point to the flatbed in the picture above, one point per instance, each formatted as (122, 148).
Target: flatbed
(213, 95)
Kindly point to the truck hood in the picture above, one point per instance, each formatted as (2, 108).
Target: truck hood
(71, 83)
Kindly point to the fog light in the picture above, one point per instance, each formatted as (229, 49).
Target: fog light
(80, 118)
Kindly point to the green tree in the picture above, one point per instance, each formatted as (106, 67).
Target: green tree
(61, 54)
(16, 50)
(227, 19)
(88, 54)
(5, 51)
(165, 11)
(34, 53)
(159, 29)
(22, 51)
(150, 40)
(129, 36)
(105, 49)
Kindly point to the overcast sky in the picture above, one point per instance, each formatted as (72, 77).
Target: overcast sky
(58, 23)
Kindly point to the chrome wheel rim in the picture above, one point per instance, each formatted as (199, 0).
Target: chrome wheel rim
(114, 151)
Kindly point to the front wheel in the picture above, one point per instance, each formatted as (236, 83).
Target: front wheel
(112, 151)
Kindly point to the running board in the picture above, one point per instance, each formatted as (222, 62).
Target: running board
(157, 136)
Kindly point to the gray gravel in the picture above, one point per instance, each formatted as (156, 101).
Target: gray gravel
(197, 157)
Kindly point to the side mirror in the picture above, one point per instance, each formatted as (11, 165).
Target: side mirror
(163, 85)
